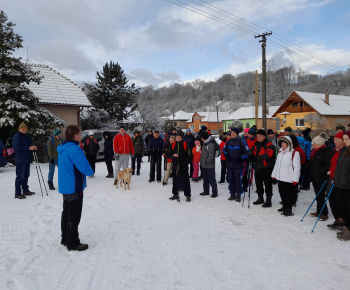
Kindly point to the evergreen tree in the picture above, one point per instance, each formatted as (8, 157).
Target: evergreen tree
(17, 103)
(112, 92)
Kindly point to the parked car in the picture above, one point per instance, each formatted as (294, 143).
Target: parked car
(99, 137)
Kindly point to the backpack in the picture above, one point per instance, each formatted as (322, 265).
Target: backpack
(217, 149)
(9, 147)
(302, 157)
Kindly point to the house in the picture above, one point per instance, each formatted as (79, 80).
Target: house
(313, 110)
(208, 119)
(61, 96)
(247, 116)
(180, 118)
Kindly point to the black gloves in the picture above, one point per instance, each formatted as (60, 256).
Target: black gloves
(52, 161)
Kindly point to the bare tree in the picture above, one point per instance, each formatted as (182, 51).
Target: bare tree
(315, 120)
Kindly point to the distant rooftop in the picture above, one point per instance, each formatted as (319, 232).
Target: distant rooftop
(56, 89)
(249, 113)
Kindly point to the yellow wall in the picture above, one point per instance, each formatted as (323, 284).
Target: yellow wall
(290, 120)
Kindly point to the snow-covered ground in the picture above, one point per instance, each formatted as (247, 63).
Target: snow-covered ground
(139, 239)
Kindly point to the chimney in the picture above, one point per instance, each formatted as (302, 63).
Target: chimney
(327, 98)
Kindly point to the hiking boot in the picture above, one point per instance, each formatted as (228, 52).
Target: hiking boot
(315, 214)
(267, 202)
(138, 172)
(203, 193)
(188, 198)
(323, 217)
(260, 200)
(174, 197)
(29, 193)
(287, 212)
(109, 176)
(338, 224)
(238, 199)
(281, 209)
(80, 247)
(133, 172)
(232, 197)
(20, 196)
(164, 183)
(214, 195)
(221, 181)
(115, 182)
(63, 243)
(51, 187)
(150, 181)
(345, 236)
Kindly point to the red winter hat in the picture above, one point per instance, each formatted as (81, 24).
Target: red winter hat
(339, 135)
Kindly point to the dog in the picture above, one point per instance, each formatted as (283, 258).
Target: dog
(124, 176)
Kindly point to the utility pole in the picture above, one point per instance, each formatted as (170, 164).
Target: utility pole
(256, 99)
(217, 116)
(263, 97)
(173, 116)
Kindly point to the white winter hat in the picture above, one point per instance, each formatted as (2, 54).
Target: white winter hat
(318, 140)
(91, 133)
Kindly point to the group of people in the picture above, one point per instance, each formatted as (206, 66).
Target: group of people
(292, 160)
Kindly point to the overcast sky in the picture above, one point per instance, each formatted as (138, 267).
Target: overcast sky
(157, 42)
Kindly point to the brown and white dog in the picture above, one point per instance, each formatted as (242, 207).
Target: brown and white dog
(124, 175)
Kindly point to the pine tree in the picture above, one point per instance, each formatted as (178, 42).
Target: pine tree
(17, 103)
(112, 92)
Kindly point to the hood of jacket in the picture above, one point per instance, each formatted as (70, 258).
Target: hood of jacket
(287, 140)
(108, 134)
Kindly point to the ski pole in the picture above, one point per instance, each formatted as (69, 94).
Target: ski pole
(37, 161)
(323, 208)
(248, 177)
(36, 167)
(314, 200)
(251, 168)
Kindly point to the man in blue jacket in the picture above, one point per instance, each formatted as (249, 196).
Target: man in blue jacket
(23, 145)
(236, 152)
(73, 168)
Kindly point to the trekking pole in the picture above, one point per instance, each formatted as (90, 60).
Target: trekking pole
(250, 182)
(37, 161)
(314, 200)
(37, 172)
(323, 208)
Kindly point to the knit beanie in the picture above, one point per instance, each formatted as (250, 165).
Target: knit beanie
(270, 131)
(204, 128)
(339, 135)
(318, 140)
(57, 132)
(297, 131)
(22, 126)
(180, 133)
(252, 132)
(235, 130)
(288, 129)
(205, 135)
(246, 130)
(228, 133)
(261, 132)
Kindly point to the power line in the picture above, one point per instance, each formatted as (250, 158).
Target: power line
(317, 31)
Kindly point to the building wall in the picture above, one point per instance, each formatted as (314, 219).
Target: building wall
(182, 124)
(70, 114)
(196, 124)
(248, 123)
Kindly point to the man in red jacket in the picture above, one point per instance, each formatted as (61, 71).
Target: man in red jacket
(339, 222)
(123, 147)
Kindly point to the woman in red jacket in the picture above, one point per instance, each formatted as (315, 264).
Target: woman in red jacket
(223, 158)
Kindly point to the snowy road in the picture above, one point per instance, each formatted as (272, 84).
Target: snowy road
(139, 239)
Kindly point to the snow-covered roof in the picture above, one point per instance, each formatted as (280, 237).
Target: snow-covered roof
(338, 105)
(57, 89)
(249, 113)
(211, 116)
(180, 116)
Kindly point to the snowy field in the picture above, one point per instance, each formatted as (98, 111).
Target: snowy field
(139, 239)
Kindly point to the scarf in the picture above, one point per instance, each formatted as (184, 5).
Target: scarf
(315, 150)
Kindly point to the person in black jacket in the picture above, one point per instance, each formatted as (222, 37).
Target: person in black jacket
(91, 148)
(342, 183)
(181, 156)
(147, 140)
(156, 151)
(320, 161)
(108, 152)
(189, 139)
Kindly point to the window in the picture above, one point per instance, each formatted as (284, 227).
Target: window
(247, 125)
(175, 123)
(295, 104)
(301, 104)
(200, 126)
(192, 127)
(299, 122)
(196, 118)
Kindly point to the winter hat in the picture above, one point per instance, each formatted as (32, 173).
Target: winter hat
(122, 127)
(180, 133)
(188, 130)
(57, 132)
(136, 132)
(298, 131)
(205, 135)
(246, 130)
(318, 140)
(156, 131)
(228, 133)
(339, 135)
(91, 133)
(173, 129)
(324, 135)
(197, 143)
(252, 132)
(22, 126)
(235, 130)
(270, 131)
(288, 129)
(305, 133)
(261, 132)
(340, 127)
(204, 128)
(347, 133)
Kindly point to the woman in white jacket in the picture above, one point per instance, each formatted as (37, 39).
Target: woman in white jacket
(287, 172)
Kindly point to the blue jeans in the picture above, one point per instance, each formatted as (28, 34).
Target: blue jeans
(22, 175)
(52, 169)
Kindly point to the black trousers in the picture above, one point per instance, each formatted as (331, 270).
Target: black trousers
(336, 201)
(156, 164)
(137, 159)
(288, 193)
(71, 214)
(343, 205)
(263, 177)
(306, 177)
(108, 160)
(92, 161)
(320, 200)
(223, 171)
(181, 181)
